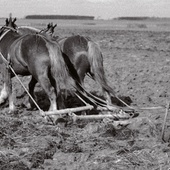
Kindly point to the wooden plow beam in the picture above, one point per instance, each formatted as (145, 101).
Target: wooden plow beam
(69, 110)
(81, 108)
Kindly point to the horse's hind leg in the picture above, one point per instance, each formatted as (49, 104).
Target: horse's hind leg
(29, 103)
(49, 90)
(107, 97)
(60, 96)
(81, 74)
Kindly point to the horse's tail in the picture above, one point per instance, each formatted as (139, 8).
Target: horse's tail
(63, 70)
(96, 66)
(58, 67)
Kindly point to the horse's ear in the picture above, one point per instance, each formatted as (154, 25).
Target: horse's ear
(55, 26)
(7, 22)
(48, 26)
(14, 20)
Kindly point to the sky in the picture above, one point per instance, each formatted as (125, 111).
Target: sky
(103, 9)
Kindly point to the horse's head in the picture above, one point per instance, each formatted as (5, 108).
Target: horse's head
(9, 25)
(49, 30)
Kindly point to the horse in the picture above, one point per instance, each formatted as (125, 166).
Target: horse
(87, 58)
(35, 55)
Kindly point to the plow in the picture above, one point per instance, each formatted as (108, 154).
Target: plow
(112, 112)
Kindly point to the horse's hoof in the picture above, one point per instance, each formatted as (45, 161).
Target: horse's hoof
(49, 119)
(2, 101)
(14, 112)
(27, 105)
(60, 120)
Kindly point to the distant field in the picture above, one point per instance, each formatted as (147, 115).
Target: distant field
(143, 25)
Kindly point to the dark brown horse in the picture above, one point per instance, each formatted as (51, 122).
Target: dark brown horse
(87, 58)
(32, 54)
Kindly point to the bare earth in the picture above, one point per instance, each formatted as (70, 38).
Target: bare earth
(137, 65)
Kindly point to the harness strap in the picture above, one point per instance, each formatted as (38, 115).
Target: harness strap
(10, 28)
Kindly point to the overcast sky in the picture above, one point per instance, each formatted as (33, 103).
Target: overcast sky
(105, 9)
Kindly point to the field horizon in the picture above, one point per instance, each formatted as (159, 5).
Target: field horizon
(155, 24)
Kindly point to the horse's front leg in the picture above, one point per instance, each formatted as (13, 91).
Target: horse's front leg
(12, 107)
(6, 92)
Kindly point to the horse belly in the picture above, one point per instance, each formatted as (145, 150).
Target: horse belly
(19, 69)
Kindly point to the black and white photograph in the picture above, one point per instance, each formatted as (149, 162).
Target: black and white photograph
(84, 85)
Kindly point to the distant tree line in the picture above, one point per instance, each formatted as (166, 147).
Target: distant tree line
(133, 18)
(59, 17)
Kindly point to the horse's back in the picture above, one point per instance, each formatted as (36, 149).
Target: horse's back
(76, 47)
(27, 30)
(73, 44)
